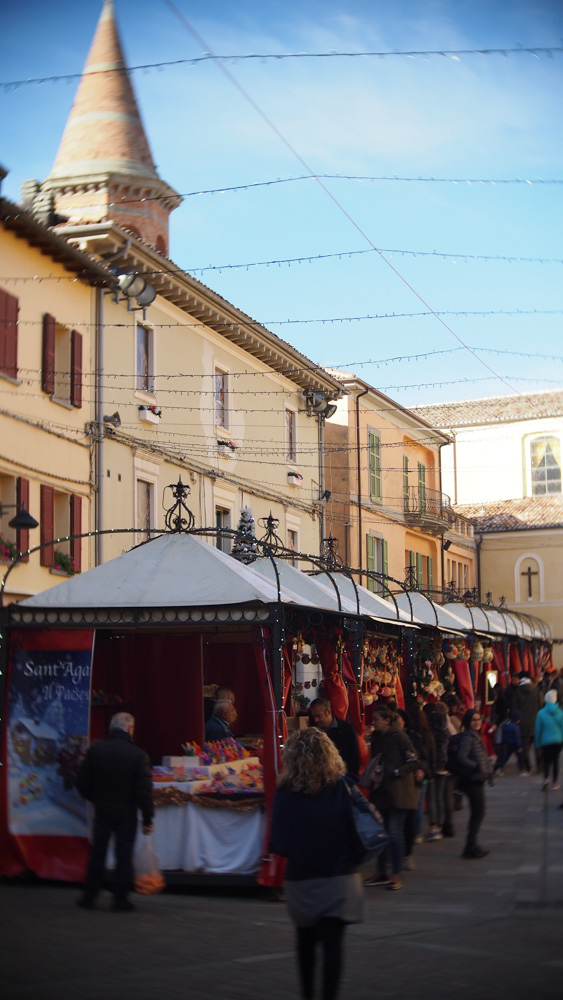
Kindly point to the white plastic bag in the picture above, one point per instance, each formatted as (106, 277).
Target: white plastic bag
(148, 878)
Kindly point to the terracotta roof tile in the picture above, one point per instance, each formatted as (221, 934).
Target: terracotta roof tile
(493, 409)
(515, 515)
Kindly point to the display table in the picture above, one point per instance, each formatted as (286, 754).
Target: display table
(195, 838)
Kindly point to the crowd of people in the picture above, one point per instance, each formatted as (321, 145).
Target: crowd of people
(432, 757)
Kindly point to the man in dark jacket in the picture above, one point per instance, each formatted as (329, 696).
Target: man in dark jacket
(115, 776)
(342, 734)
(528, 702)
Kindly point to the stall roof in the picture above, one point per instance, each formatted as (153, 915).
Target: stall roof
(371, 604)
(173, 570)
(429, 613)
(310, 589)
(493, 621)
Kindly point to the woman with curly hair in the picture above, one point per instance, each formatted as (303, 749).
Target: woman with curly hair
(312, 826)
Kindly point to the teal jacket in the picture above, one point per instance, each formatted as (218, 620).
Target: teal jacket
(549, 725)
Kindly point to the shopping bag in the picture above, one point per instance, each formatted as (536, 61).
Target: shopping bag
(148, 878)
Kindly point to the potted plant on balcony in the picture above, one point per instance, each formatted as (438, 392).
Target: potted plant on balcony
(8, 551)
(63, 563)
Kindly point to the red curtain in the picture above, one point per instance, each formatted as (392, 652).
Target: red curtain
(275, 733)
(515, 664)
(461, 670)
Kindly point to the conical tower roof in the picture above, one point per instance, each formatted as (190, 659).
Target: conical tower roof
(104, 131)
(104, 168)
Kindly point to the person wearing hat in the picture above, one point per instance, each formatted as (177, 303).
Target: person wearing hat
(548, 736)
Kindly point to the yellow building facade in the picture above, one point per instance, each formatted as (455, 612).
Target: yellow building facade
(386, 508)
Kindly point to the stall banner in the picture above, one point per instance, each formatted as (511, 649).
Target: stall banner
(47, 735)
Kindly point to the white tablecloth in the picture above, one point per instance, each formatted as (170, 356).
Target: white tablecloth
(194, 838)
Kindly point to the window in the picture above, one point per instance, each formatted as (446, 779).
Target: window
(292, 544)
(376, 561)
(421, 487)
(406, 482)
(221, 411)
(290, 436)
(374, 453)
(13, 492)
(223, 522)
(144, 521)
(8, 334)
(61, 516)
(145, 359)
(545, 460)
(61, 374)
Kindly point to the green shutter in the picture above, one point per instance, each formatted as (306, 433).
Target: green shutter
(406, 481)
(419, 579)
(384, 564)
(421, 487)
(370, 560)
(374, 466)
(430, 573)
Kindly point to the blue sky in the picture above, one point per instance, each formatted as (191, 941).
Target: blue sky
(465, 117)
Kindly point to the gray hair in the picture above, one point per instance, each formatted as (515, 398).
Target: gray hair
(220, 707)
(122, 721)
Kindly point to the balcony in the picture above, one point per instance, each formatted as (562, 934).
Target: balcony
(428, 510)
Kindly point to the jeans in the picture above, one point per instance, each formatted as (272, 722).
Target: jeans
(394, 820)
(550, 759)
(435, 794)
(475, 791)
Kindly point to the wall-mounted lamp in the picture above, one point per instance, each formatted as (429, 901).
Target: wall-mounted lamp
(325, 496)
(22, 521)
(134, 286)
(447, 544)
(114, 420)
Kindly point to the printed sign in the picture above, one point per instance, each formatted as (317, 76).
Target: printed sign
(47, 736)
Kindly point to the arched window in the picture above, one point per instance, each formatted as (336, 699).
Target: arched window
(545, 460)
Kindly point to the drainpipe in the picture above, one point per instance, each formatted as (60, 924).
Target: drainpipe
(359, 469)
(98, 465)
(321, 429)
(478, 541)
(440, 446)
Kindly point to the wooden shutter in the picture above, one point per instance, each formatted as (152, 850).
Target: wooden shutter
(48, 355)
(406, 482)
(421, 487)
(22, 497)
(430, 574)
(419, 579)
(8, 334)
(47, 525)
(384, 563)
(374, 466)
(75, 529)
(76, 368)
(370, 561)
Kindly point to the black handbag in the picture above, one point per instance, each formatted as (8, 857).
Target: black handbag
(369, 834)
(373, 774)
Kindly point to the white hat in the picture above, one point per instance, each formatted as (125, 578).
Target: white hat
(551, 697)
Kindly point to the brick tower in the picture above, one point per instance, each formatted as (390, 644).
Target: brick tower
(104, 170)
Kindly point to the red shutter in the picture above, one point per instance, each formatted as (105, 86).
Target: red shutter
(76, 368)
(8, 334)
(48, 365)
(47, 525)
(76, 529)
(22, 497)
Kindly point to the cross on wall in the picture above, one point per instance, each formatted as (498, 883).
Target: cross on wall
(529, 572)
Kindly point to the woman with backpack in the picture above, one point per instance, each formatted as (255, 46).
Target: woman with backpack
(473, 769)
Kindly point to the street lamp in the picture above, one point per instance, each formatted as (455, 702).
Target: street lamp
(23, 520)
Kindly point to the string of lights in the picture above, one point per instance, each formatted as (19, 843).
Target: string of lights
(87, 325)
(360, 178)
(262, 57)
(18, 393)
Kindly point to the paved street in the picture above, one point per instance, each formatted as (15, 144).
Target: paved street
(489, 929)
